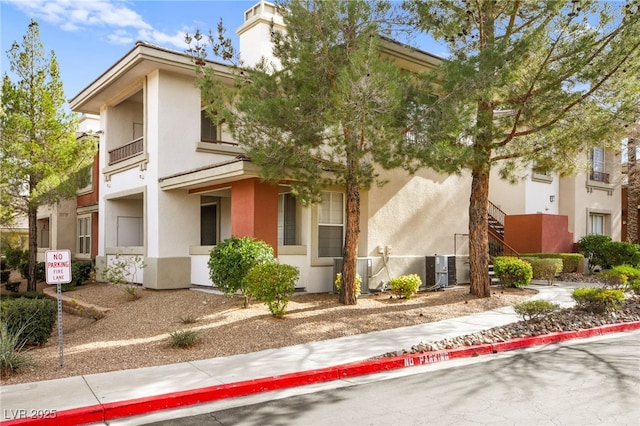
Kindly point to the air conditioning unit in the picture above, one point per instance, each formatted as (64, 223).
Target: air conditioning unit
(440, 271)
(363, 268)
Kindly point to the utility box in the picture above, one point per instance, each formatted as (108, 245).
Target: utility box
(440, 271)
(363, 269)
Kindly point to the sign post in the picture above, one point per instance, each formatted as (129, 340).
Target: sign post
(58, 271)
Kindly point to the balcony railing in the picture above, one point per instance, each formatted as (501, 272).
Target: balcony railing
(599, 176)
(219, 142)
(125, 151)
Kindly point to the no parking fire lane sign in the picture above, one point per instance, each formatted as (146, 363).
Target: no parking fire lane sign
(58, 266)
(58, 271)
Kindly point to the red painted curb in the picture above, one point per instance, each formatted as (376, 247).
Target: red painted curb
(133, 407)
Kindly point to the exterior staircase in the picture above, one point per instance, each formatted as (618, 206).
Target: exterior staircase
(496, 220)
(497, 246)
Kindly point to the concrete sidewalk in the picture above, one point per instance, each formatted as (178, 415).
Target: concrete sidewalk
(98, 397)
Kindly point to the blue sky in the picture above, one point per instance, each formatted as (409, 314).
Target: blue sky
(88, 36)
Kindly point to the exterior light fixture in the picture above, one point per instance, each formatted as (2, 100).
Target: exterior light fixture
(552, 198)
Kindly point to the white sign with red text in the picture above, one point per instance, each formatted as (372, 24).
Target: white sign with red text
(58, 266)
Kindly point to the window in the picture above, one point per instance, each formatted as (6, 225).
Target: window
(541, 174)
(43, 232)
(287, 220)
(598, 166)
(596, 224)
(84, 235)
(208, 129)
(208, 221)
(331, 224)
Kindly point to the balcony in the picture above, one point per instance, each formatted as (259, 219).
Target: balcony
(126, 151)
(599, 177)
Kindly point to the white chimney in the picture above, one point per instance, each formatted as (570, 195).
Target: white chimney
(255, 33)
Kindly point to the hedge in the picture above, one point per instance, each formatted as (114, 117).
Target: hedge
(571, 262)
(33, 319)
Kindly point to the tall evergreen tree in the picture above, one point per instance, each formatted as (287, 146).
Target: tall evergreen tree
(633, 183)
(40, 160)
(326, 114)
(528, 83)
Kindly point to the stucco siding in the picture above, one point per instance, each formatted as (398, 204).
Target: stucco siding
(418, 214)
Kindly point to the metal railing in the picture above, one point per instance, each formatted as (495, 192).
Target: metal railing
(219, 142)
(498, 247)
(128, 150)
(599, 176)
(496, 218)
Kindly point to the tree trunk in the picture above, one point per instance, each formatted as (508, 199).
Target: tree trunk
(33, 248)
(633, 184)
(478, 235)
(350, 252)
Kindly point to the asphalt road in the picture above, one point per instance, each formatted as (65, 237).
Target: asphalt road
(592, 381)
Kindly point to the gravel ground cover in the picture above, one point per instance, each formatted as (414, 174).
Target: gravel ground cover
(569, 319)
(135, 333)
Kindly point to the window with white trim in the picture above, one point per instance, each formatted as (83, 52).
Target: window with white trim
(331, 224)
(208, 129)
(287, 220)
(209, 221)
(598, 166)
(596, 224)
(84, 235)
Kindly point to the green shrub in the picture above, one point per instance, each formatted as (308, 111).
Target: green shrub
(25, 294)
(40, 270)
(405, 286)
(571, 262)
(338, 283)
(634, 286)
(14, 257)
(512, 271)
(183, 338)
(231, 260)
(13, 287)
(620, 276)
(616, 253)
(598, 300)
(614, 278)
(535, 309)
(273, 283)
(81, 271)
(592, 247)
(12, 356)
(33, 319)
(544, 268)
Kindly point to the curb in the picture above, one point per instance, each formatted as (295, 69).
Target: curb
(101, 413)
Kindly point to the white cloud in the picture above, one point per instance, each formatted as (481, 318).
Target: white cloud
(120, 37)
(125, 24)
(163, 39)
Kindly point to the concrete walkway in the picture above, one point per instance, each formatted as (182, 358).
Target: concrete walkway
(95, 398)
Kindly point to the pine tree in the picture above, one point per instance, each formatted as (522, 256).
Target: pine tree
(528, 83)
(40, 159)
(327, 114)
(633, 183)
